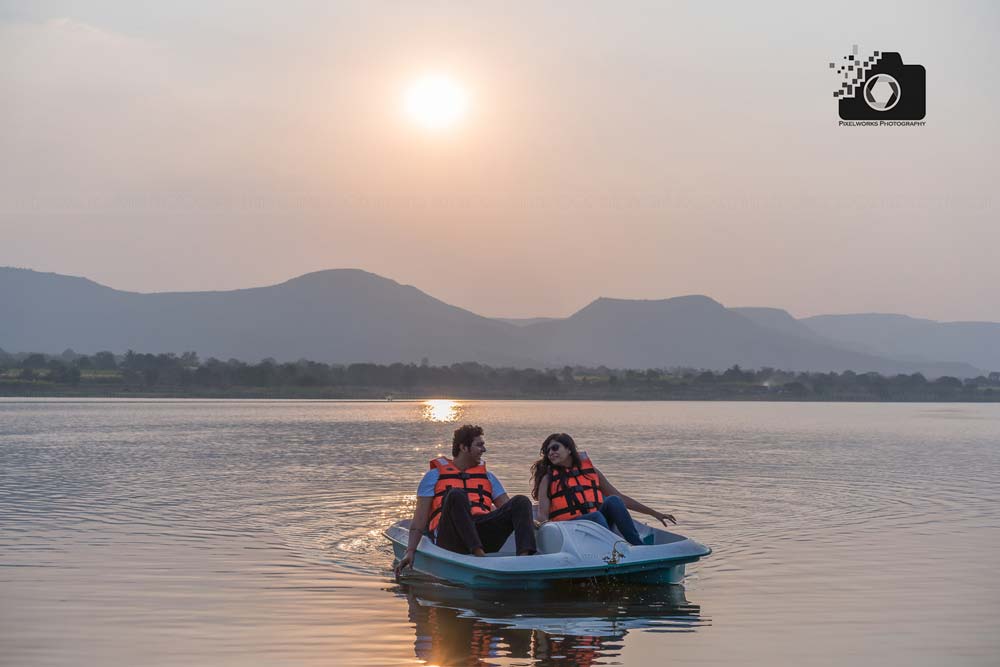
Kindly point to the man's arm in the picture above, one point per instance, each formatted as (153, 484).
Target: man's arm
(417, 527)
(543, 500)
(499, 499)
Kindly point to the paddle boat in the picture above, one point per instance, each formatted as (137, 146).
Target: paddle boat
(567, 550)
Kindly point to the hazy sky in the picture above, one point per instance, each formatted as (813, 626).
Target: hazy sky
(627, 150)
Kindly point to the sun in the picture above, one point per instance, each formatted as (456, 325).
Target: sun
(436, 102)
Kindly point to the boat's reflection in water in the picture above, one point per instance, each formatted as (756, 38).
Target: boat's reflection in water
(578, 625)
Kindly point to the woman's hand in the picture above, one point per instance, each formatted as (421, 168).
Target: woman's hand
(663, 518)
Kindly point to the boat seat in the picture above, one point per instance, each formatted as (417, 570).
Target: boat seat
(549, 538)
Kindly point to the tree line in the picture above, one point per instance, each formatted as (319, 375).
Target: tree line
(106, 373)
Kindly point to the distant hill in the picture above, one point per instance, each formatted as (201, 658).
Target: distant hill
(699, 332)
(781, 321)
(340, 315)
(524, 321)
(348, 315)
(910, 338)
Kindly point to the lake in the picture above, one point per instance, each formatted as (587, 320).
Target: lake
(185, 532)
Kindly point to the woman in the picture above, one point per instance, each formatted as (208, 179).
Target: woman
(568, 487)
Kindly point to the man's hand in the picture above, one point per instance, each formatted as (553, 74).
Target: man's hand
(417, 526)
(405, 561)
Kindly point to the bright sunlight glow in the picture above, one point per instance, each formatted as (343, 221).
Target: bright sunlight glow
(436, 102)
(441, 410)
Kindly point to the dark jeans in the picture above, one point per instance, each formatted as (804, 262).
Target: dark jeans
(461, 532)
(613, 513)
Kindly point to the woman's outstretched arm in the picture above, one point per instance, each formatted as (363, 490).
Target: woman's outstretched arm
(608, 489)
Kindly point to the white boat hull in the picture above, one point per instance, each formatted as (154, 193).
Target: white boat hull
(567, 550)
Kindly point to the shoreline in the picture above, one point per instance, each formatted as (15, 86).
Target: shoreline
(466, 395)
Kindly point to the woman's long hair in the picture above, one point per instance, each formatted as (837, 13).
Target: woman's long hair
(542, 467)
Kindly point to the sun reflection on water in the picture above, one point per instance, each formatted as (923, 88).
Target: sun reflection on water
(441, 410)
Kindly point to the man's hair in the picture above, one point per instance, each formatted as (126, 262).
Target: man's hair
(464, 436)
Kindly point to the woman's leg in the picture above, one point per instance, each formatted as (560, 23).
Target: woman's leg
(596, 517)
(613, 509)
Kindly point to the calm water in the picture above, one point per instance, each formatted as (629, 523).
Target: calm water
(248, 533)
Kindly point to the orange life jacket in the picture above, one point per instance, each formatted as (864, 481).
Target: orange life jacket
(474, 480)
(574, 491)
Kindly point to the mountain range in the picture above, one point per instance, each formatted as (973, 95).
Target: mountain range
(349, 315)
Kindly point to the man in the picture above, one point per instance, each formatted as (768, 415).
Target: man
(464, 508)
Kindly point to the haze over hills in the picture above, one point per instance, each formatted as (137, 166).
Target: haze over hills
(348, 315)
(910, 338)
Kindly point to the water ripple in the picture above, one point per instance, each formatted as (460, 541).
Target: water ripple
(255, 528)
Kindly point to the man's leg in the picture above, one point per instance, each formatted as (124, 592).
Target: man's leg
(614, 510)
(456, 531)
(514, 517)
